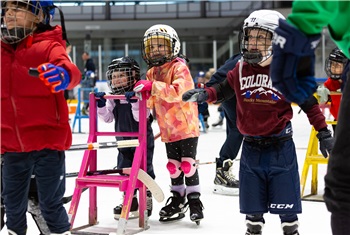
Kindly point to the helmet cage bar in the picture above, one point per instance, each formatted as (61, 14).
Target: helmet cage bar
(337, 59)
(121, 76)
(21, 12)
(256, 49)
(36, 14)
(153, 56)
(328, 68)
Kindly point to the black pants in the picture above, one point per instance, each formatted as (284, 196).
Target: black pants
(230, 148)
(337, 180)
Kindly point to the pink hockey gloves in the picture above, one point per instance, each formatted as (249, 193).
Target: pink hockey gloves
(143, 89)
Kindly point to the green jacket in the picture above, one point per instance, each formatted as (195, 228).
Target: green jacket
(311, 16)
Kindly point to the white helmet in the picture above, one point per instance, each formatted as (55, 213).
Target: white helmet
(166, 36)
(266, 20)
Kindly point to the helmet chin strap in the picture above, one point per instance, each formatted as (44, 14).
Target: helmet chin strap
(14, 35)
(266, 62)
(266, 58)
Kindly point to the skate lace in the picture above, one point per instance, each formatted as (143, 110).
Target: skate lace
(229, 175)
(173, 202)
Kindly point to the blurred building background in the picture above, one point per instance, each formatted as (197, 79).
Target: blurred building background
(208, 30)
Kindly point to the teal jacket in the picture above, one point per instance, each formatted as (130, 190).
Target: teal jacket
(311, 16)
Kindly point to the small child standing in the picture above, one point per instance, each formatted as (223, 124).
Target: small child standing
(35, 130)
(268, 172)
(336, 67)
(122, 74)
(168, 78)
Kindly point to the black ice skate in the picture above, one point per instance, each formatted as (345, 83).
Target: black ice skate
(34, 210)
(254, 228)
(225, 182)
(196, 207)
(134, 209)
(174, 208)
(290, 228)
(220, 122)
(149, 203)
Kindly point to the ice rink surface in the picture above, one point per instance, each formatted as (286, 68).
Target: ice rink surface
(221, 213)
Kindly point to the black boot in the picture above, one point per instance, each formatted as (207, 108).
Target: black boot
(254, 228)
(290, 228)
(149, 203)
(219, 122)
(174, 208)
(134, 208)
(196, 207)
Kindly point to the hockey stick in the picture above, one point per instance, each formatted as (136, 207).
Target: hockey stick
(67, 199)
(106, 172)
(102, 145)
(157, 136)
(198, 163)
(147, 180)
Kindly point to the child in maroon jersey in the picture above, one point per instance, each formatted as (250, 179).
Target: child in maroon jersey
(269, 177)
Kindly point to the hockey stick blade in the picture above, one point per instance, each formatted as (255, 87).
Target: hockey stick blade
(147, 180)
(102, 145)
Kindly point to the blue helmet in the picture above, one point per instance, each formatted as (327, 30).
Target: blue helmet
(48, 9)
(12, 33)
(201, 74)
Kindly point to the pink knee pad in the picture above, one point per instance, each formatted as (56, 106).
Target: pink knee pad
(188, 166)
(173, 167)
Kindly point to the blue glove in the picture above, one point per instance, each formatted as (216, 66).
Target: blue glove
(129, 95)
(326, 142)
(293, 65)
(101, 102)
(195, 95)
(53, 76)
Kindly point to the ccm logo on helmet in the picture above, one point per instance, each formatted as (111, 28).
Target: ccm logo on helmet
(281, 206)
(277, 39)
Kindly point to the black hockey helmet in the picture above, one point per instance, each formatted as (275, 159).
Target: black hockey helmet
(337, 56)
(119, 68)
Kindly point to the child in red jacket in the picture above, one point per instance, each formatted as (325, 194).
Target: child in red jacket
(35, 130)
(334, 67)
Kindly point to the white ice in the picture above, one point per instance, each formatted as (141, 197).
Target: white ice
(221, 213)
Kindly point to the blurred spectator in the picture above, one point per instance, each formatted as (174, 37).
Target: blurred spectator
(203, 107)
(88, 81)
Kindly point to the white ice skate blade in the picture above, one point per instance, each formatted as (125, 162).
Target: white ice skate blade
(218, 189)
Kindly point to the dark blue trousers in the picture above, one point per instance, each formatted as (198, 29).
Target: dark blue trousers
(48, 166)
(232, 144)
(126, 155)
